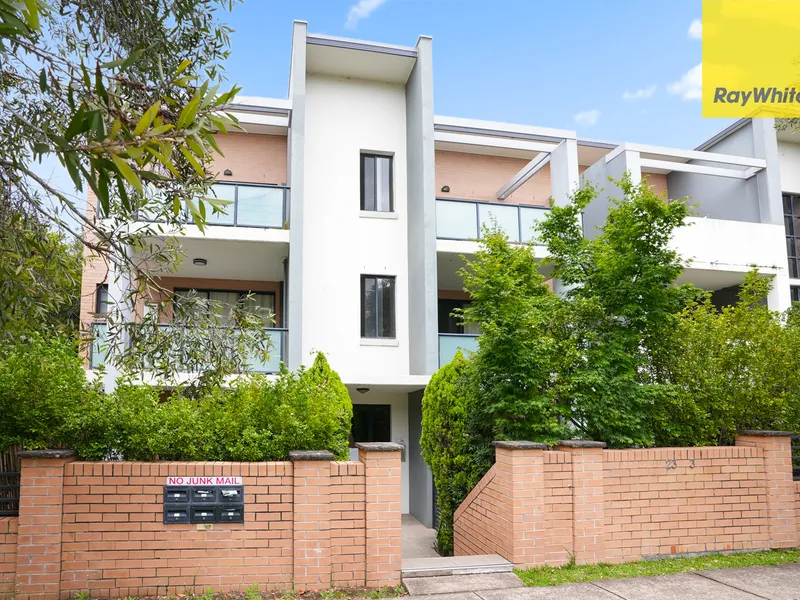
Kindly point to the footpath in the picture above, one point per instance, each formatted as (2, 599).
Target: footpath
(779, 582)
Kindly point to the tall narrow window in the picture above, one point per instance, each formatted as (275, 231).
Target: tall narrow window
(377, 307)
(376, 183)
(791, 221)
(101, 299)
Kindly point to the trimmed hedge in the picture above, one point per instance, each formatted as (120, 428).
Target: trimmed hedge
(44, 393)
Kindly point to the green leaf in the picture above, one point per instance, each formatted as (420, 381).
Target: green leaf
(147, 118)
(183, 66)
(192, 161)
(127, 172)
(188, 112)
(43, 80)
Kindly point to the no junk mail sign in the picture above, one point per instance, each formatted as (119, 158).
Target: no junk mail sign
(204, 481)
(203, 500)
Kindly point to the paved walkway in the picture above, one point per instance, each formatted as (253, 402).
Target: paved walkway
(781, 582)
(418, 540)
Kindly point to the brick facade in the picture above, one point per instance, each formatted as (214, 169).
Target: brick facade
(98, 527)
(540, 506)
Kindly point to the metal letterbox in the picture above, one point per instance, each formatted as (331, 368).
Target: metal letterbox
(231, 494)
(204, 495)
(231, 514)
(204, 514)
(176, 495)
(176, 513)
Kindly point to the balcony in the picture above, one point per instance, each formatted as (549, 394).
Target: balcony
(464, 219)
(99, 350)
(450, 343)
(251, 205)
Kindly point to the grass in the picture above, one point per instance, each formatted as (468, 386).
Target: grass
(543, 576)
(253, 593)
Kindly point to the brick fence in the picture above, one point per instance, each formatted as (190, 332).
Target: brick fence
(540, 506)
(309, 524)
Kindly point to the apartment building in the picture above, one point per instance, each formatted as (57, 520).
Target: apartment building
(353, 203)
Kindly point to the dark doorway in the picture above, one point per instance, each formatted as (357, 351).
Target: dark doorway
(371, 423)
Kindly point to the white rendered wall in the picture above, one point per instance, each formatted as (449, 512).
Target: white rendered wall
(399, 417)
(790, 167)
(730, 245)
(343, 118)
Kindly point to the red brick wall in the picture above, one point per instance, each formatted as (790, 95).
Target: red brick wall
(623, 505)
(8, 555)
(99, 527)
(708, 499)
(482, 519)
(348, 523)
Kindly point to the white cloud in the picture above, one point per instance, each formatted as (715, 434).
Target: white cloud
(696, 29)
(361, 10)
(587, 117)
(690, 87)
(640, 94)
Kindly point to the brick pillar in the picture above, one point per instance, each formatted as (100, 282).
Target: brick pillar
(382, 512)
(520, 467)
(312, 519)
(784, 526)
(40, 516)
(588, 508)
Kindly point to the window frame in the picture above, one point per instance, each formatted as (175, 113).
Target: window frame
(100, 286)
(791, 233)
(362, 290)
(362, 183)
(242, 295)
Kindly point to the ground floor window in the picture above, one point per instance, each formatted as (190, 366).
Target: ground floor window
(371, 423)
(254, 300)
(795, 292)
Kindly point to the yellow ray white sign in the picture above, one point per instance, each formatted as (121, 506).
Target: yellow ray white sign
(751, 58)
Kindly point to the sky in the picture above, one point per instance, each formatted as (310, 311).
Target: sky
(616, 70)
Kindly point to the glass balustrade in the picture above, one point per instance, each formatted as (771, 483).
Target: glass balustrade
(451, 343)
(464, 219)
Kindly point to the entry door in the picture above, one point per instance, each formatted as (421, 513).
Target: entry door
(371, 423)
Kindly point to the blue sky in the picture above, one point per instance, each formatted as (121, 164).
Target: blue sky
(565, 64)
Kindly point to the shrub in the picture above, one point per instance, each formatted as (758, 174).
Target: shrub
(731, 369)
(42, 383)
(258, 419)
(447, 408)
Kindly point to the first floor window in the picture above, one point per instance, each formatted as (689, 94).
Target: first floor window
(101, 299)
(377, 306)
(449, 322)
(376, 183)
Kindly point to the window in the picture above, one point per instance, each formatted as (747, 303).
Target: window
(377, 307)
(449, 323)
(791, 222)
(376, 183)
(101, 299)
(228, 299)
(371, 423)
(795, 293)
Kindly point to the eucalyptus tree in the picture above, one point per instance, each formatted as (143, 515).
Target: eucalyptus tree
(128, 96)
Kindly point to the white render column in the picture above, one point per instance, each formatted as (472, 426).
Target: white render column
(120, 311)
(564, 173)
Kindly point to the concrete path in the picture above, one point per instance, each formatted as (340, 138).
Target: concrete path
(780, 582)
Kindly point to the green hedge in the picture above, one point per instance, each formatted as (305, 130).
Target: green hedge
(447, 441)
(44, 391)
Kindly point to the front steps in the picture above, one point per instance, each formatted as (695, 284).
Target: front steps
(454, 565)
